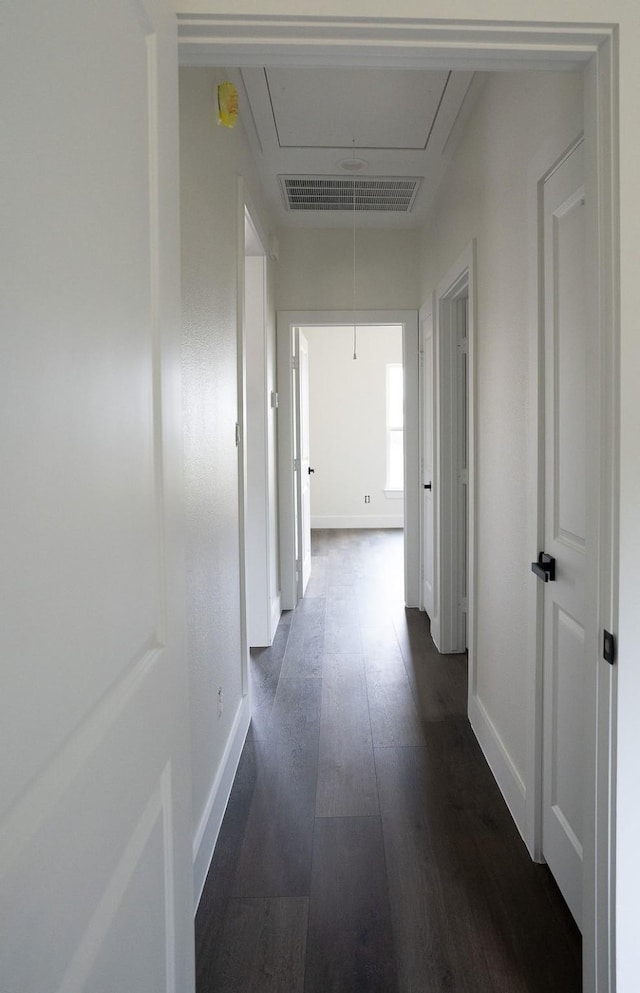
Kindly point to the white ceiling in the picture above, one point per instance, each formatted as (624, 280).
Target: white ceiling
(317, 121)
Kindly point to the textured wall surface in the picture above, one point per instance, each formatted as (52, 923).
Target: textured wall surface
(209, 237)
(315, 271)
(212, 158)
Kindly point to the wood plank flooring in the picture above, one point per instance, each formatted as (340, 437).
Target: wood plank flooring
(366, 847)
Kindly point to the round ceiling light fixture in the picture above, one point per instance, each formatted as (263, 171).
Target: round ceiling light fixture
(353, 165)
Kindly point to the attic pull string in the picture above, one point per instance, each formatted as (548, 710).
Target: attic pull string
(353, 306)
(353, 297)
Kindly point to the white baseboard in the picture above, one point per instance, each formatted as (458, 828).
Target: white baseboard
(379, 521)
(207, 834)
(276, 610)
(435, 631)
(504, 771)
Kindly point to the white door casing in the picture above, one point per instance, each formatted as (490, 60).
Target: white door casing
(241, 441)
(287, 497)
(452, 624)
(263, 588)
(566, 531)
(287, 322)
(303, 465)
(483, 45)
(258, 414)
(428, 446)
(96, 887)
(461, 317)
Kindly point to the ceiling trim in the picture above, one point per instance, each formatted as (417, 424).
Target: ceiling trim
(247, 40)
(456, 101)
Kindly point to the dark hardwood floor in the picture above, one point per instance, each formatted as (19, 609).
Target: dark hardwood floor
(366, 847)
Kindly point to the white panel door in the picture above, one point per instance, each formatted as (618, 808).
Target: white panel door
(96, 890)
(426, 332)
(303, 465)
(565, 525)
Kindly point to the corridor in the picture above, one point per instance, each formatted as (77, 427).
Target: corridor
(366, 847)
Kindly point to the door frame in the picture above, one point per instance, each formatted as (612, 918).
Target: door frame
(545, 746)
(427, 312)
(298, 394)
(453, 558)
(241, 434)
(263, 603)
(206, 40)
(286, 321)
(600, 583)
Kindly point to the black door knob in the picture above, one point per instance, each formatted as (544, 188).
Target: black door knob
(310, 471)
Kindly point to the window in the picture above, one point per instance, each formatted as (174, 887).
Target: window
(395, 429)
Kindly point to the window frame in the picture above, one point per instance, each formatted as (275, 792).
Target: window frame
(394, 370)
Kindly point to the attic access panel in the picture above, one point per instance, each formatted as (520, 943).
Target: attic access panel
(365, 193)
(363, 107)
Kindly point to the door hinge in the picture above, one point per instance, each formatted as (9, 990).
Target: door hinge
(463, 477)
(464, 604)
(463, 345)
(294, 362)
(237, 435)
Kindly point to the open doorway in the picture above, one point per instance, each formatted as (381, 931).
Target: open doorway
(356, 426)
(531, 41)
(363, 451)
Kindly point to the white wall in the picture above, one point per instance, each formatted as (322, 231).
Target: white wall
(315, 271)
(487, 195)
(211, 159)
(347, 401)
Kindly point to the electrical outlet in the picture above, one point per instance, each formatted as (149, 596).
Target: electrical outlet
(367, 499)
(220, 702)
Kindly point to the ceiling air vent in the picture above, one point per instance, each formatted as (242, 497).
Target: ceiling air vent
(358, 193)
